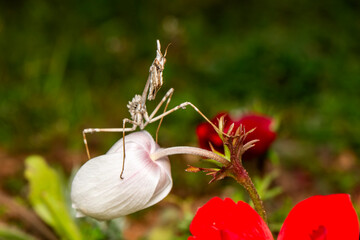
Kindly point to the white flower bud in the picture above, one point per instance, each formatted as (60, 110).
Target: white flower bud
(97, 190)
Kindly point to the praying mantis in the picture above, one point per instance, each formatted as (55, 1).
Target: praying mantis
(137, 106)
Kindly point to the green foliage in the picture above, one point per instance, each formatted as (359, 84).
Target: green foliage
(263, 186)
(47, 198)
(223, 56)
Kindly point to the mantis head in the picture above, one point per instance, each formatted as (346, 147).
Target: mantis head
(156, 71)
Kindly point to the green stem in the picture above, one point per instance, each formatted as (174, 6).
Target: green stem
(243, 178)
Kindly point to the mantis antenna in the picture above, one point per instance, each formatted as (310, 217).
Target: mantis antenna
(137, 106)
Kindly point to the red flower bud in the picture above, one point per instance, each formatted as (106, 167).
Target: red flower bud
(207, 134)
(263, 132)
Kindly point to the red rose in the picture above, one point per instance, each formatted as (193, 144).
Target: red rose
(329, 217)
(263, 132)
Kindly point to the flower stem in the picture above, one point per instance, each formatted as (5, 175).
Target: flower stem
(162, 152)
(243, 178)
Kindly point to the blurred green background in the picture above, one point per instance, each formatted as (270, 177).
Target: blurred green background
(69, 65)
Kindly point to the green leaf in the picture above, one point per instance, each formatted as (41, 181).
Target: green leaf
(47, 198)
(212, 161)
(11, 233)
(271, 193)
(263, 186)
(227, 152)
(274, 158)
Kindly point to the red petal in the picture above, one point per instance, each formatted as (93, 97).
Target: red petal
(209, 234)
(202, 129)
(215, 140)
(317, 216)
(262, 132)
(227, 119)
(232, 221)
(206, 133)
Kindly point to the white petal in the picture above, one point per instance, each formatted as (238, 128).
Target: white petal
(143, 139)
(165, 182)
(98, 191)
